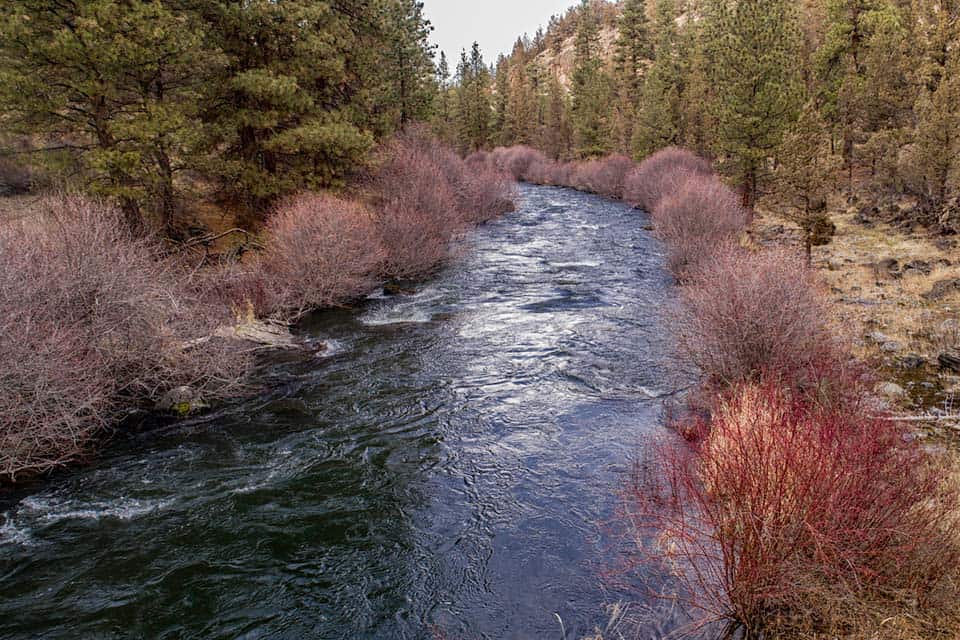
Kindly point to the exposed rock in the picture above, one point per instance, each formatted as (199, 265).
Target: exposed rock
(911, 361)
(950, 360)
(889, 267)
(878, 337)
(181, 401)
(867, 216)
(942, 289)
(891, 390)
(917, 267)
(945, 244)
(949, 219)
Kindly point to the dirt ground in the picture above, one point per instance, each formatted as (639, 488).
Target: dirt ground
(897, 295)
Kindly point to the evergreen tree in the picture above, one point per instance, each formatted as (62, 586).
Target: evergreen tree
(558, 135)
(409, 70)
(753, 45)
(632, 54)
(473, 101)
(300, 102)
(590, 88)
(501, 134)
(805, 176)
(114, 84)
(443, 117)
(659, 119)
(938, 134)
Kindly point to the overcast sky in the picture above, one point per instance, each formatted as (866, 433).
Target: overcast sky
(495, 24)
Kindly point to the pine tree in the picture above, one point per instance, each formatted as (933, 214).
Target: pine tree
(753, 45)
(591, 89)
(659, 119)
(409, 69)
(113, 84)
(632, 55)
(473, 101)
(501, 97)
(443, 117)
(558, 135)
(805, 177)
(938, 134)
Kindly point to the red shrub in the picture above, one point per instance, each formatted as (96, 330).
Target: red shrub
(748, 312)
(661, 174)
(94, 322)
(424, 196)
(321, 252)
(516, 160)
(605, 177)
(788, 517)
(700, 214)
(416, 209)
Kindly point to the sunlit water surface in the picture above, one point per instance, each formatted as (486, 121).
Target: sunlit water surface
(448, 469)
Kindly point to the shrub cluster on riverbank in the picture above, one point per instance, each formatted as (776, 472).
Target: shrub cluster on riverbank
(793, 505)
(99, 321)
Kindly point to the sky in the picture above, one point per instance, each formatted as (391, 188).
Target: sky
(495, 24)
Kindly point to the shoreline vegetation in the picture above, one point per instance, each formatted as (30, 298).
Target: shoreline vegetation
(790, 503)
(101, 321)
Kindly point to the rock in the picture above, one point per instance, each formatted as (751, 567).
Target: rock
(950, 360)
(917, 267)
(945, 244)
(891, 347)
(866, 216)
(891, 390)
(889, 267)
(182, 401)
(949, 219)
(395, 289)
(878, 337)
(911, 361)
(950, 326)
(942, 289)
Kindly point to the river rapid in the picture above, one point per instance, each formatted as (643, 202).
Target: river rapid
(449, 468)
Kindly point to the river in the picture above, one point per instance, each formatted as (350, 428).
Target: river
(447, 469)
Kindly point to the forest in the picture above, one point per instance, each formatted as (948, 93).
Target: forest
(720, 234)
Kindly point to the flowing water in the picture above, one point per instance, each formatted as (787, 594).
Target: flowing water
(448, 469)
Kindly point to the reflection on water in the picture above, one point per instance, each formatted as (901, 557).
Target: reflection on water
(445, 471)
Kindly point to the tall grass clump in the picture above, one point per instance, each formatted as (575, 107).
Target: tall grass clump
(698, 215)
(789, 519)
(747, 313)
(95, 321)
(661, 174)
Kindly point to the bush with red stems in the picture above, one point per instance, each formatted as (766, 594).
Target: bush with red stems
(95, 321)
(790, 519)
(700, 214)
(321, 252)
(750, 312)
(605, 177)
(661, 174)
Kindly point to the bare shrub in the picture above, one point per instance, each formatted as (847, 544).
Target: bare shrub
(424, 196)
(605, 176)
(94, 322)
(700, 214)
(790, 518)
(746, 313)
(661, 174)
(321, 252)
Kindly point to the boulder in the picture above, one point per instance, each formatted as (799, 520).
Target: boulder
(942, 289)
(949, 218)
(950, 360)
(915, 267)
(182, 401)
(911, 361)
(891, 390)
